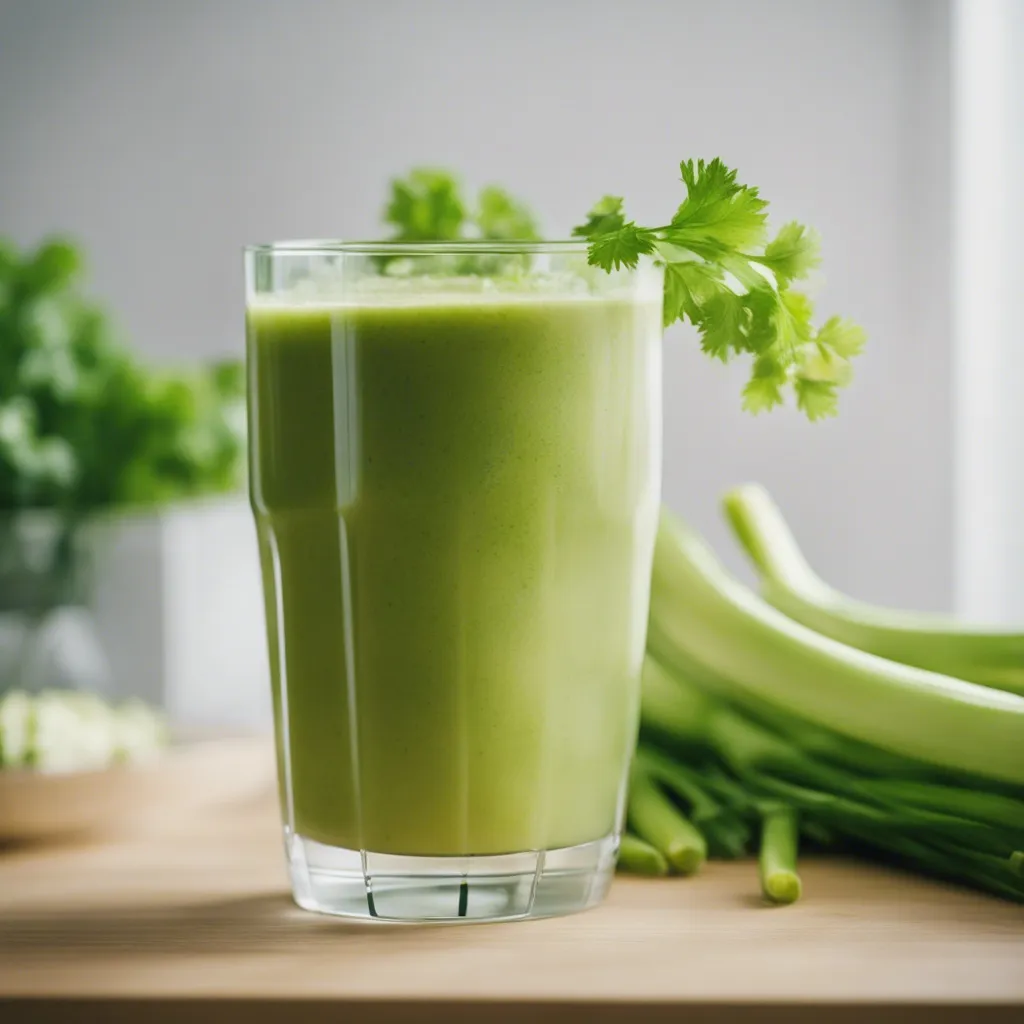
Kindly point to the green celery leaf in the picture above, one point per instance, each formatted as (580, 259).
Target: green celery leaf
(762, 306)
(793, 313)
(792, 253)
(717, 209)
(426, 206)
(843, 337)
(722, 330)
(722, 276)
(500, 216)
(622, 248)
(764, 389)
(604, 217)
(816, 398)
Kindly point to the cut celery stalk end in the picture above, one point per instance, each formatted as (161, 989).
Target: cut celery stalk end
(640, 858)
(655, 819)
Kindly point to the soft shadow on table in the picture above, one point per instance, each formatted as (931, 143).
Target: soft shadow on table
(247, 924)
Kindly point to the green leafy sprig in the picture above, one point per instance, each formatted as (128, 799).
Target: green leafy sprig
(724, 276)
(428, 206)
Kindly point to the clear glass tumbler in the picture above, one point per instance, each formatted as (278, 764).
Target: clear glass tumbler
(455, 459)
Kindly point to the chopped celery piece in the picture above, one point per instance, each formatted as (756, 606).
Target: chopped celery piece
(640, 858)
(780, 836)
(655, 819)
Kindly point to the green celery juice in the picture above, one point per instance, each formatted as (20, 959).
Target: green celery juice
(456, 497)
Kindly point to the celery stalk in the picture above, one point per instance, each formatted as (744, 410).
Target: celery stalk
(857, 816)
(992, 809)
(779, 840)
(1017, 863)
(946, 863)
(655, 819)
(725, 832)
(725, 767)
(939, 643)
(778, 770)
(699, 610)
(640, 858)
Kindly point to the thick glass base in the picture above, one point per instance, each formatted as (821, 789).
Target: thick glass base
(388, 888)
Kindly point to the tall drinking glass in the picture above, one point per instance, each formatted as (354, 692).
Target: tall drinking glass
(455, 459)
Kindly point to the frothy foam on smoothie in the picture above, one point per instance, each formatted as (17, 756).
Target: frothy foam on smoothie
(327, 288)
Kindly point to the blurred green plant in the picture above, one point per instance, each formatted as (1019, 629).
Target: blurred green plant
(84, 424)
(430, 204)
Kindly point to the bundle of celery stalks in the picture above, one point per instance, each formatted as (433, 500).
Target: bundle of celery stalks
(803, 716)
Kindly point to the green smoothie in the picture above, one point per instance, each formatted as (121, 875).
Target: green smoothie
(456, 498)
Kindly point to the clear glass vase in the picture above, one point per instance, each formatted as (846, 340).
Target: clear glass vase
(455, 459)
(48, 639)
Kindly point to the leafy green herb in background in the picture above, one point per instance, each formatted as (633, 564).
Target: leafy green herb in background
(724, 276)
(83, 423)
(428, 206)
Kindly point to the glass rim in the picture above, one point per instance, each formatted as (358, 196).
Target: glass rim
(482, 246)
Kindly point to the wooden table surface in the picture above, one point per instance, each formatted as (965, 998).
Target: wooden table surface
(192, 921)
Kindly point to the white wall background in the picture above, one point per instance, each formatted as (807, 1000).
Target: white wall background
(166, 134)
(989, 274)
